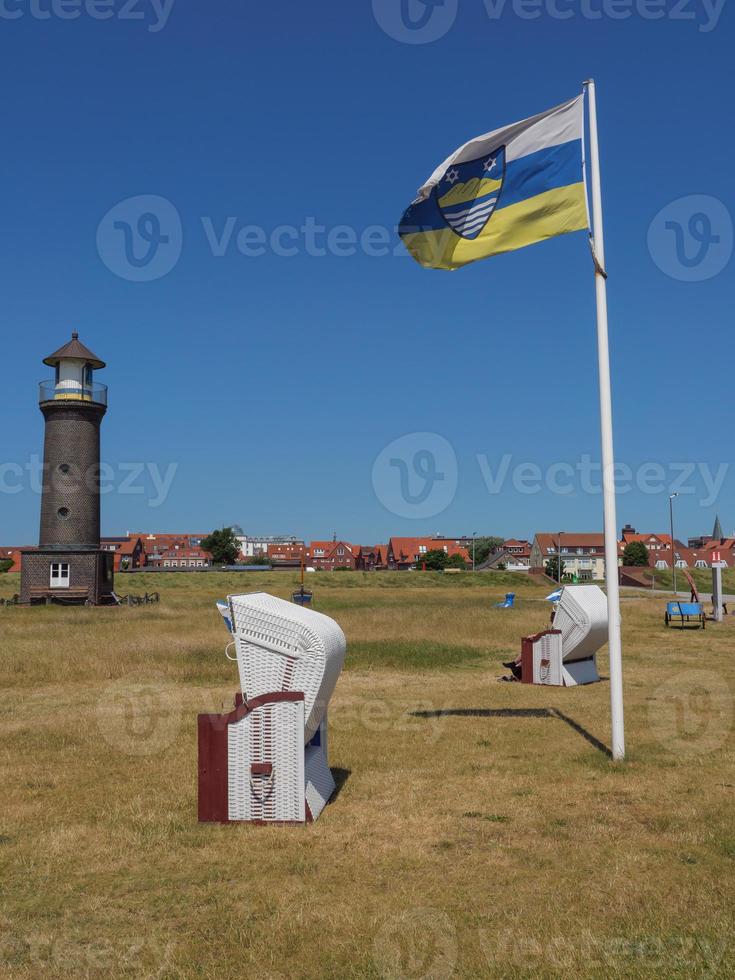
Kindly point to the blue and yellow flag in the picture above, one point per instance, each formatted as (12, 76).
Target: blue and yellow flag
(509, 188)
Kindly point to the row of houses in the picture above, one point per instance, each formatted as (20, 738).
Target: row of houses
(176, 552)
(397, 554)
(582, 553)
(140, 550)
(160, 551)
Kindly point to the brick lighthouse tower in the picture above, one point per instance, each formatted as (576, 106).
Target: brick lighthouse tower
(69, 565)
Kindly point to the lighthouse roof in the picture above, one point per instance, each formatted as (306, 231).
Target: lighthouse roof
(74, 348)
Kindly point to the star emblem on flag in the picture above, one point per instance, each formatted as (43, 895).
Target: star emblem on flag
(452, 175)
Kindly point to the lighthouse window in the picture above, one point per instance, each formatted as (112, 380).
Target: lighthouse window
(63, 512)
(59, 578)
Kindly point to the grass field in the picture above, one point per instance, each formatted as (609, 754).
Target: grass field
(480, 828)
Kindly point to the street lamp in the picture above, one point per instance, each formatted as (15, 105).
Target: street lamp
(558, 559)
(474, 535)
(671, 526)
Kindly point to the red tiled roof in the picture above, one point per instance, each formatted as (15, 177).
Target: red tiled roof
(158, 543)
(123, 546)
(129, 546)
(715, 544)
(647, 539)
(549, 542)
(662, 553)
(327, 547)
(409, 549)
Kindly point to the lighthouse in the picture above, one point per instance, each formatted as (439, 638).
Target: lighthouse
(69, 566)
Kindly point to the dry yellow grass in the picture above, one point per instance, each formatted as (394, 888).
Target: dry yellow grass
(480, 828)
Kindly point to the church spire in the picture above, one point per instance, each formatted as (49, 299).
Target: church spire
(717, 529)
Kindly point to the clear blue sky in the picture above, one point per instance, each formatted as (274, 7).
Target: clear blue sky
(274, 382)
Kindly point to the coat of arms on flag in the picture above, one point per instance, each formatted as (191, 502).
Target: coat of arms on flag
(468, 193)
(504, 190)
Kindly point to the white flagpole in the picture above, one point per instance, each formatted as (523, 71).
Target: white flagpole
(608, 458)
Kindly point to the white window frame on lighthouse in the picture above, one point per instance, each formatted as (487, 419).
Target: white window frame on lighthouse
(59, 575)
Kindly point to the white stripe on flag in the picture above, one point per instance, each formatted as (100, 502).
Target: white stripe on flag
(471, 221)
(551, 128)
(458, 214)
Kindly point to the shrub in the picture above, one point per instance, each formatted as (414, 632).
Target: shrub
(635, 553)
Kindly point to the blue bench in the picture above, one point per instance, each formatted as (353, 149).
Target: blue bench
(685, 614)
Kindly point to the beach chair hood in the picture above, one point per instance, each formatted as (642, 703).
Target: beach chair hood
(284, 647)
(581, 616)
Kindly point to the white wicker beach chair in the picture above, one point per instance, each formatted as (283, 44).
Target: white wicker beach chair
(266, 761)
(566, 655)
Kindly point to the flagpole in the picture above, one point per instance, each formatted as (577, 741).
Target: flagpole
(608, 458)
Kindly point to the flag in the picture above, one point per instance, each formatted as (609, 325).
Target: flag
(513, 187)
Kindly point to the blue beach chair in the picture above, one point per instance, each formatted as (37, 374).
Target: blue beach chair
(507, 603)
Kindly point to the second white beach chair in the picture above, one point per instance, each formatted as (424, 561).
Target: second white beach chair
(565, 655)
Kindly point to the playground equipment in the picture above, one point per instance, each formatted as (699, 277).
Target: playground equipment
(692, 586)
(565, 655)
(508, 602)
(692, 613)
(266, 761)
(685, 614)
(302, 596)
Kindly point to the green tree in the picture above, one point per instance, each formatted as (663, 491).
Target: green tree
(456, 561)
(552, 568)
(5, 565)
(635, 553)
(483, 547)
(434, 560)
(222, 545)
